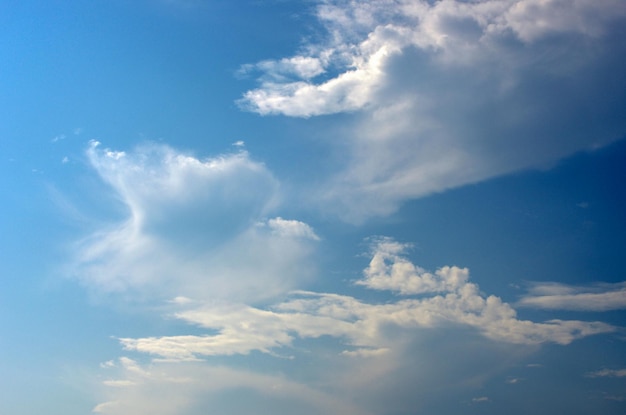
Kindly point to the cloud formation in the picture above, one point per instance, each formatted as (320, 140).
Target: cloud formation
(446, 298)
(192, 228)
(555, 296)
(372, 342)
(452, 92)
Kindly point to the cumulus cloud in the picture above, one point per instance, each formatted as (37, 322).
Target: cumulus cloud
(451, 301)
(192, 228)
(389, 270)
(452, 92)
(556, 296)
(339, 348)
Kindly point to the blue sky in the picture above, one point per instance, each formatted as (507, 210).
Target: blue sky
(341, 207)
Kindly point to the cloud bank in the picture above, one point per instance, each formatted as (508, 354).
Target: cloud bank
(451, 92)
(446, 299)
(372, 341)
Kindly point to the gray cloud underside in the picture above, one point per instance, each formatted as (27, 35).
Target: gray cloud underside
(452, 92)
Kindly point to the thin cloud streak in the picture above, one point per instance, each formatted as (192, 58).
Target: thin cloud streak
(619, 373)
(555, 296)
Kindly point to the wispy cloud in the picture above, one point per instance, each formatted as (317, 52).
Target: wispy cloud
(452, 92)
(481, 399)
(556, 296)
(166, 389)
(193, 228)
(610, 373)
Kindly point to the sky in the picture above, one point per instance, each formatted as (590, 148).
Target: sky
(383, 207)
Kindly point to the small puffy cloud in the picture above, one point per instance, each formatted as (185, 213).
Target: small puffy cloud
(180, 300)
(448, 93)
(290, 228)
(190, 229)
(556, 296)
(389, 270)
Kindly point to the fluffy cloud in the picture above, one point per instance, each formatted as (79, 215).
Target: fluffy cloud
(389, 270)
(453, 301)
(334, 353)
(555, 296)
(192, 228)
(291, 228)
(452, 92)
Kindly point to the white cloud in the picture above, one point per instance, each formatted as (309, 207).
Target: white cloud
(191, 229)
(555, 296)
(389, 270)
(373, 343)
(302, 67)
(290, 228)
(452, 92)
(458, 302)
(377, 32)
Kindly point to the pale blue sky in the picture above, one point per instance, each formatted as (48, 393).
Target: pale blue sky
(316, 207)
